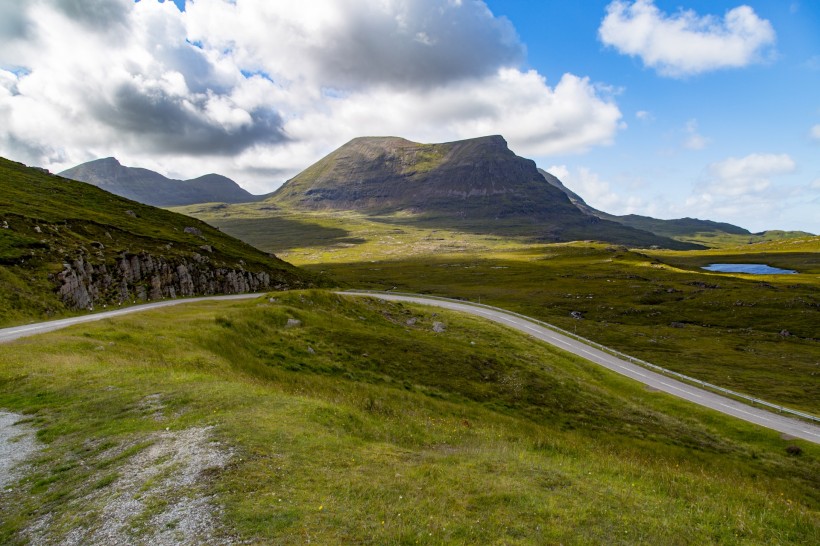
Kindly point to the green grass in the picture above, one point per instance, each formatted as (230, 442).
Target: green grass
(362, 425)
(652, 304)
(52, 220)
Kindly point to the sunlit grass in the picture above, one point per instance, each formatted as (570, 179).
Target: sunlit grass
(362, 425)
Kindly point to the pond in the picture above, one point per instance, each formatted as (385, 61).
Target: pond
(751, 269)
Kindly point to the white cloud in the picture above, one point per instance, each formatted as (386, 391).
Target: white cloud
(815, 132)
(644, 115)
(694, 140)
(596, 192)
(685, 43)
(259, 90)
(747, 175)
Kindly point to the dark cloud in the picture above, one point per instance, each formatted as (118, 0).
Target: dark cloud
(14, 23)
(97, 14)
(429, 43)
(165, 124)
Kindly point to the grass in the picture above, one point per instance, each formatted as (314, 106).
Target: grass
(362, 425)
(52, 220)
(756, 335)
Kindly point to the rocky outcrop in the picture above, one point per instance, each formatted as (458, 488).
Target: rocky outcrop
(145, 277)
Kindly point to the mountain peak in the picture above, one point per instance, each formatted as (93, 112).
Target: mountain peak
(152, 188)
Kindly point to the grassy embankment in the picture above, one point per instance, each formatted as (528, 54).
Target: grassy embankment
(362, 425)
(654, 305)
(47, 220)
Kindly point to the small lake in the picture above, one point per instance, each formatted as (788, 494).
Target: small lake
(750, 269)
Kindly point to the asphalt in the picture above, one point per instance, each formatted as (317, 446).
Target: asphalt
(786, 425)
(791, 427)
(16, 332)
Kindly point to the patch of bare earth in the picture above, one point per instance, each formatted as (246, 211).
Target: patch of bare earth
(17, 444)
(158, 496)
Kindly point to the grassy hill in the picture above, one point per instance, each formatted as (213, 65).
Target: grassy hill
(360, 424)
(753, 334)
(55, 231)
(477, 185)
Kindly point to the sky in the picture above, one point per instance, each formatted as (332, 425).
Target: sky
(707, 109)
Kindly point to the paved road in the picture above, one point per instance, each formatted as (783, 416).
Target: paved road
(774, 421)
(657, 381)
(9, 334)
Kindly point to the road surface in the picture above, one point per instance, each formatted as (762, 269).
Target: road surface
(9, 334)
(768, 419)
(774, 421)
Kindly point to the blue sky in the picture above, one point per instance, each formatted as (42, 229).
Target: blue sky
(766, 107)
(665, 108)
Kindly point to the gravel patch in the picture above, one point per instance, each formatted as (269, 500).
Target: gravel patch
(158, 498)
(17, 444)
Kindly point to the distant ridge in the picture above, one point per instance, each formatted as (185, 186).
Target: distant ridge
(685, 229)
(152, 188)
(477, 184)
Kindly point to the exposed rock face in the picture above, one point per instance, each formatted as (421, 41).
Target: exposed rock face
(144, 277)
(477, 184)
(375, 174)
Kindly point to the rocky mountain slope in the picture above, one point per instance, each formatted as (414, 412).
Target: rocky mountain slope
(67, 245)
(684, 229)
(477, 184)
(152, 188)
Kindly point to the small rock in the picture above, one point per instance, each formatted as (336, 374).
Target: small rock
(272, 300)
(37, 229)
(577, 315)
(5, 225)
(785, 333)
(293, 323)
(310, 350)
(439, 327)
(98, 245)
(131, 213)
(411, 321)
(207, 248)
(677, 325)
(193, 231)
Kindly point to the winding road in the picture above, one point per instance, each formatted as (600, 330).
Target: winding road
(792, 427)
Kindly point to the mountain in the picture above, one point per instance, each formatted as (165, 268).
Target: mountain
(682, 229)
(477, 184)
(67, 245)
(152, 188)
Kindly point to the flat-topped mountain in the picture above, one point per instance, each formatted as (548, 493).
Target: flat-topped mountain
(152, 188)
(473, 184)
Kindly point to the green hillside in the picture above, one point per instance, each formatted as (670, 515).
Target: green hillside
(477, 185)
(348, 421)
(51, 226)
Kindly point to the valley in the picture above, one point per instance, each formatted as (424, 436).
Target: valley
(351, 420)
(756, 335)
(302, 415)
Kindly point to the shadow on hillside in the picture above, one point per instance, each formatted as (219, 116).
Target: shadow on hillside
(276, 234)
(530, 229)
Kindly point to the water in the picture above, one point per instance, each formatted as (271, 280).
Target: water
(751, 269)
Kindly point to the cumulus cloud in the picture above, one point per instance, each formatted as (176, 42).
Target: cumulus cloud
(597, 192)
(258, 90)
(694, 140)
(685, 43)
(750, 174)
(815, 132)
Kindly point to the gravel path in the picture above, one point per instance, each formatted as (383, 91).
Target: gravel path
(17, 444)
